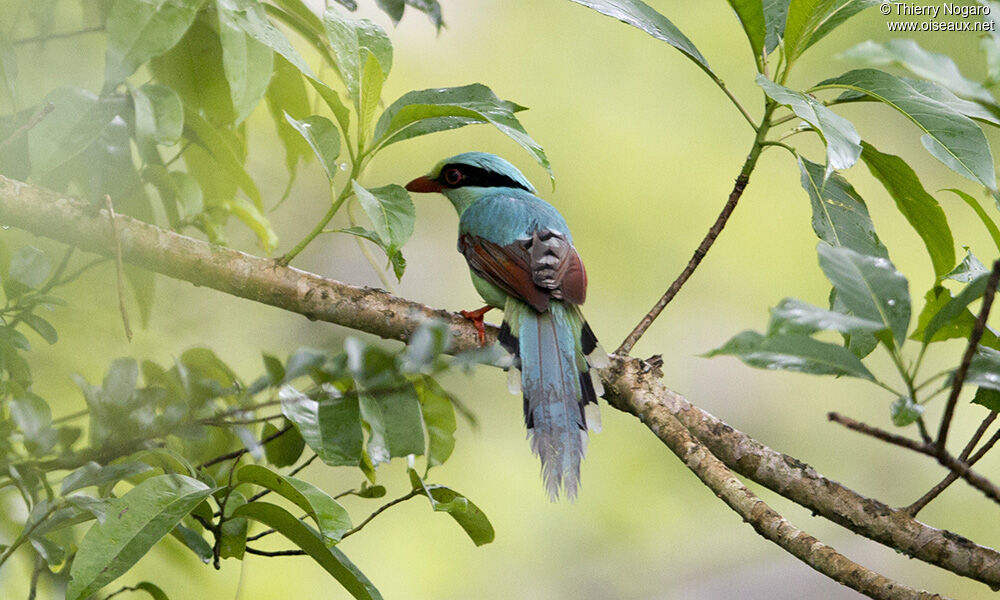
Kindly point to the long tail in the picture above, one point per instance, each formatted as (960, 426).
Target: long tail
(555, 351)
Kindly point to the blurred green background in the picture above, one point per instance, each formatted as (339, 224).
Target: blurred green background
(645, 149)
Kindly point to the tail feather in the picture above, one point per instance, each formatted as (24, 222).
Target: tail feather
(560, 398)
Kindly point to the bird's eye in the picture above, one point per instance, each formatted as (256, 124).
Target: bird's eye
(452, 176)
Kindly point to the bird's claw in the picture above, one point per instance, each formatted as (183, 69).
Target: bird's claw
(476, 316)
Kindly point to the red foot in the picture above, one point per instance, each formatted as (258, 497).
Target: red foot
(476, 316)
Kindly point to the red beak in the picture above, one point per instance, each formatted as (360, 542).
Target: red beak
(424, 184)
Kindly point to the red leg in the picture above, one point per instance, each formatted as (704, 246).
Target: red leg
(476, 316)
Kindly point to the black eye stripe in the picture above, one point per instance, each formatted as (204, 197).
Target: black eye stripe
(478, 177)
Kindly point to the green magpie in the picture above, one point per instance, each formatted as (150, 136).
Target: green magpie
(522, 260)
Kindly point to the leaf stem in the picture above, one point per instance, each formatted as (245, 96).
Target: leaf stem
(743, 111)
(345, 193)
(413, 493)
(713, 232)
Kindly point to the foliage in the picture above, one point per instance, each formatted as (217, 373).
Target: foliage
(870, 302)
(190, 450)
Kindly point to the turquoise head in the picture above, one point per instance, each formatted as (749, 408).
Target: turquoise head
(465, 177)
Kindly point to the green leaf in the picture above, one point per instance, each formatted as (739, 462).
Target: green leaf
(795, 316)
(29, 267)
(909, 55)
(331, 518)
(431, 339)
(869, 286)
(336, 105)
(775, 14)
(248, 63)
(139, 30)
(949, 136)
(177, 189)
(94, 474)
(155, 592)
(428, 111)
(372, 79)
(984, 370)
(194, 69)
(351, 41)
(285, 449)
(250, 16)
(394, 254)
(792, 352)
(751, 15)
(322, 137)
(920, 208)
(843, 144)
(159, 114)
(905, 411)
(958, 326)
(41, 327)
(439, 418)
(194, 542)
(214, 141)
(985, 218)
(642, 16)
(330, 558)
(465, 513)
(286, 95)
(395, 423)
(134, 524)
(808, 21)
(77, 119)
(954, 309)
(391, 211)
(987, 397)
(33, 417)
(233, 543)
(970, 268)
(839, 215)
(252, 216)
(332, 427)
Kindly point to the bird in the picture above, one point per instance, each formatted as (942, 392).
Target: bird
(522, 260)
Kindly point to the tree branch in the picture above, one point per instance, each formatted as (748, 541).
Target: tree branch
(800, 483)
(651, 409)
(960, 468)
(970, 351)
(57, 217)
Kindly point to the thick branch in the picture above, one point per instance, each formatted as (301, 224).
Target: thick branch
(801, 484)
(52, 215)
(70, 221)
(649, 406)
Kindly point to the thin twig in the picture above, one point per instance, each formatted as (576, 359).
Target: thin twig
(881, 434)
(250, 550)
(35, 119)
(242, 451)
(706, 243)
(951, 477)
(961, 468)
(381, 509)
(970, 351)
(120, 267)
